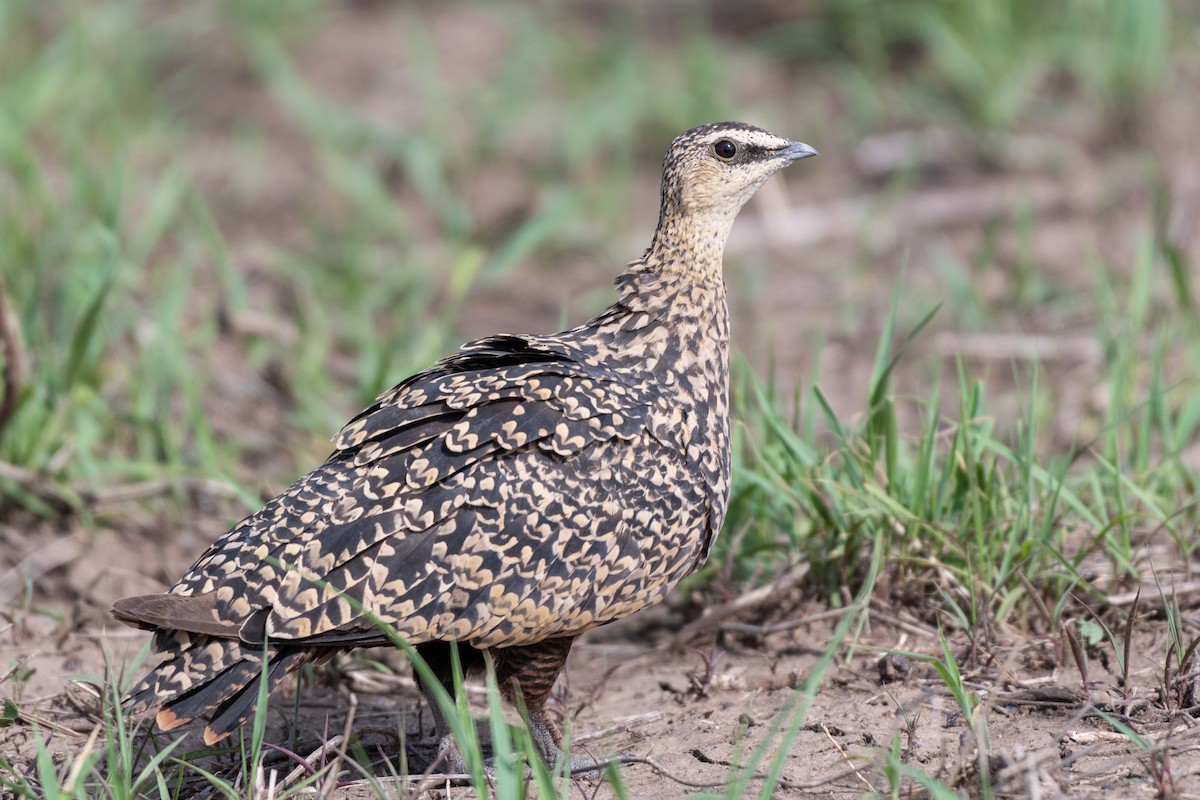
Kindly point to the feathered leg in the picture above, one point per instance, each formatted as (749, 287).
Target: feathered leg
(439, 659)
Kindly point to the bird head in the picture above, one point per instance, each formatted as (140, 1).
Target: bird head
(711, 171)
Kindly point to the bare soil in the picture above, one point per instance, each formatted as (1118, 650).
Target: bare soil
(691, 709)
(816, 257)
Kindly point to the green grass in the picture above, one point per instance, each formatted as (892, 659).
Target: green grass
(996, 512)
(174, 326)
(990, 69)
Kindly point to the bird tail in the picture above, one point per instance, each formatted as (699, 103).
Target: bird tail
(217, 679)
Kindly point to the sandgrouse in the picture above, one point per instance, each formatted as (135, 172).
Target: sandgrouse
(520, 492)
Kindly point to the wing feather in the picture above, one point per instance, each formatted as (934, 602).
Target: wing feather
(382, 525)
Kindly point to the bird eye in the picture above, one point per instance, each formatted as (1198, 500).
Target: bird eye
(725, 150)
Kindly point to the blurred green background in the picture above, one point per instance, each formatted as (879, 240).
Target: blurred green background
(967, 389)
(226, 226)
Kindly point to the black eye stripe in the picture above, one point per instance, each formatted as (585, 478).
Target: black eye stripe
(744, 151)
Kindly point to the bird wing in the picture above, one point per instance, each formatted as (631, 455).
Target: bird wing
(397, 519)
(484, 391)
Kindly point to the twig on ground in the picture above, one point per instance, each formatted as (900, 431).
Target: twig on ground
(60, 498)
(81, 759)
(1160, 598)
(1183, 739)
(619, 726)
(622, 761)
(1043, 697)
(846, 757)
(331, 780)
(758, 776)
(713, 617)
(122, 493)
(55, 554)
(305, 764)
(35, 719)
(1077, 653)
(425, 779)
(19, 662)
(904, 625)
(786, 625)
(66, 498)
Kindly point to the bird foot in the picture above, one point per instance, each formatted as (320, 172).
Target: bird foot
(578, 766)
(593, 768)
(452, 762)
(451, 759)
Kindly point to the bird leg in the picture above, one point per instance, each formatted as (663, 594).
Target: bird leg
(439, 659)
(525, 676)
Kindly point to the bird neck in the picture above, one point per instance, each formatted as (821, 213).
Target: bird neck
(681, 270)
(681, 289)
(690, 244)
(672, 300)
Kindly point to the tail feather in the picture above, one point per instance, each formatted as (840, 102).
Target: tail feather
(226, 718)
(206, 677)
(207, 697)
(186, 661)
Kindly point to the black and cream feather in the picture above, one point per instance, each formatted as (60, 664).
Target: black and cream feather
(520, 492)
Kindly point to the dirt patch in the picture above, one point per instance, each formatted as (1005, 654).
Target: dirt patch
(694, 711)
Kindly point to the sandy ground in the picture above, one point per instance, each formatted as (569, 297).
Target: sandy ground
(816, 256)
(692, 710)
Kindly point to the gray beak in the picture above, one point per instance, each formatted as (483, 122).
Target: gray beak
(796, 151)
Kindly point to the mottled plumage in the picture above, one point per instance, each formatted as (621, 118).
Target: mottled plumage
(517, 494)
